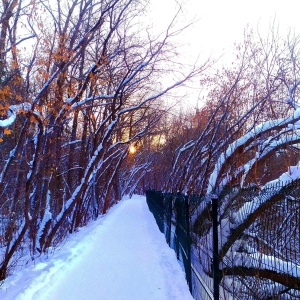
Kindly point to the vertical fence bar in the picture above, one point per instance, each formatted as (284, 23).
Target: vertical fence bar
(168, 201)
(244, 285)
(162, 212)
(177, 221)
(156, 206)
(216, 261)
(188, 244)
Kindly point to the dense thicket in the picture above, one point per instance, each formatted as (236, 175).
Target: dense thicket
(242, 147)
(83, 121)
(248, 121)
(79, 86)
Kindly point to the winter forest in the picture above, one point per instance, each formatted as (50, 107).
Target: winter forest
(89, 113)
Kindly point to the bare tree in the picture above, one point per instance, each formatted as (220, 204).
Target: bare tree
(89, 86)
(251, 117)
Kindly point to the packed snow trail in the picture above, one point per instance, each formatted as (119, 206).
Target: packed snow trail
(122, 256)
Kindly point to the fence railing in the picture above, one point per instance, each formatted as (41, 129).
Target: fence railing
(238, 244)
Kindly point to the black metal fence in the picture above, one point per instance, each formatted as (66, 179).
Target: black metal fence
(236, 244)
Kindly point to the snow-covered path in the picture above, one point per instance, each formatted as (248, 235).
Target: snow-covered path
(122, 256)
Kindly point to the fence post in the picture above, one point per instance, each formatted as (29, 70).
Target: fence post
(168, 201)
(216, 261)
(188, 244)
(177, 231)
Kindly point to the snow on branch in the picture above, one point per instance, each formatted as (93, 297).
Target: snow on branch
(12, 113)
(85, 101)
(249, 212)
(247, 139)
(267, 148)
(269, 267)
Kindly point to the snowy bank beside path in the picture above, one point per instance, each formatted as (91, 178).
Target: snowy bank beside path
(122, 256)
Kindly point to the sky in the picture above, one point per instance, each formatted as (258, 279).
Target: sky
(120, 256)
(221, 23)
(217, 26)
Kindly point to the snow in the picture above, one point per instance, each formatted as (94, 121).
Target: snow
(122, 255)
(9, 121)
(13, 111)
(262, 261)
(266, 193)
(255, 132)
(293, 173)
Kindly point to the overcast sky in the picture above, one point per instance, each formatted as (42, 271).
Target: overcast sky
(221, 22)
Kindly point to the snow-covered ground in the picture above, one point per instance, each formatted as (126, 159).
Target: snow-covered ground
(121, 256)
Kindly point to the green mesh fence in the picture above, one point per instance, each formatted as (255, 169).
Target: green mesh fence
(250, 249)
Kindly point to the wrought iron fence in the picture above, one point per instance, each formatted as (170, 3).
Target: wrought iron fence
(236, 244)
